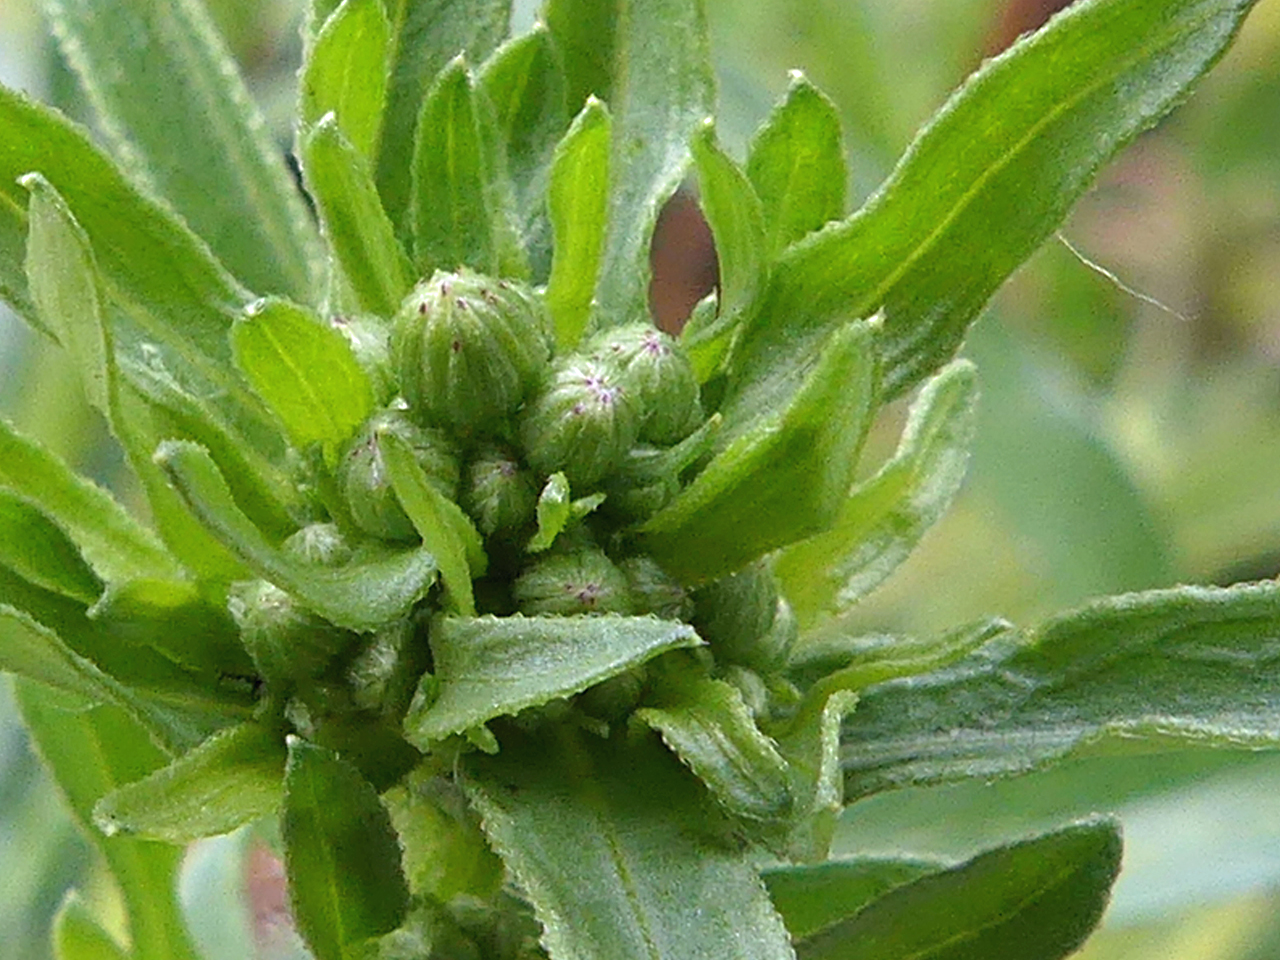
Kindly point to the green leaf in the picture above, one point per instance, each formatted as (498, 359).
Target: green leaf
(176, 112)
(797, 165)
(554, 511)
(381, 584)
(614, 846)
(461, 200)
(1034, 900)
(77, 935)
(1190, 664)
(488, 667)
(446, 531)
(813, 896)
(231, 779)
(359, 232)
(586, 34)
(886, 516)
(577, 200)
(341, 853)
(304, 370)
(34, 548)
(425, 36)
(708, 726)
(986, 182)
(782, 478)
(345, 73)
(664, 91)
(90, 753)
(811, 745)
(32, 650)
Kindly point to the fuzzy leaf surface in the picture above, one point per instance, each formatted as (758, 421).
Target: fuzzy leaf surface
(33, 547)
(346, 73)
(586, 34)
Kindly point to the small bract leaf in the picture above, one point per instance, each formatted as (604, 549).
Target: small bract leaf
(345, 73)
(77, 935)
(554, 511)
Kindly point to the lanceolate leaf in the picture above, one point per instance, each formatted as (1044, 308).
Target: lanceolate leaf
(77, 935)
(34, 548)
(488, 667)
(346, 73)
(378, 586)
(885, 517)
(1191, 663)
(1034, 900)
(554, 510)
(614, 847)
(987, 181)
(341, 853)
(585, 32)
(176, 111)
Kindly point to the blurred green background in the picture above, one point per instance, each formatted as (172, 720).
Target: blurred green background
(1123, 444)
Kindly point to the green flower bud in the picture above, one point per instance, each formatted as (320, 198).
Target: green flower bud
(652, 368)
(654, 591)
(755, 692)
(583, 422)
(318, 545)
(612, 699)
(362, 476)
(383, 675)
(370, 339)
(469, 349)
(567, 584)
(287, 642)
(499, 494)
(736, 613)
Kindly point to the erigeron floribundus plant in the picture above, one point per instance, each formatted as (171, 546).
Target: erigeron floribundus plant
(520, 616)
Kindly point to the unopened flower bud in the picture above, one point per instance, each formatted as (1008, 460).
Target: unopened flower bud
(567, 584)
(498, 492)
(318, 545)
(612, 699)
(735, 615)
(654, 591)
(651, 367)
(469, 349)
(287, 642)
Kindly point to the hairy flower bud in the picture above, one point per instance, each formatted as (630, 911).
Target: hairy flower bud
(736, 616)
(319, 545)
(469, 349)
(654, 591)
(582, 422)
(287, 642)
(658, 376)
(362, 475)
(566, 584)
(499, 494)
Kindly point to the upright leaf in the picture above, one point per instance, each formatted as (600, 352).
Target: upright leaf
(345, 73)
(987, 181)
(341, 853)
(176, 112)
(650, 874)
(664, 90)
(77, 934)
(34, 548)
(586, 34)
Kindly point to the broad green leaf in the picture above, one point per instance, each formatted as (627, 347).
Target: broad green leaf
(231, 779)
(176, 112)
(886, 516)
(586, 34)
(797, 165)
(359, 232)
(345, 73)
(77, 934)
(425, 36)
(986, 182)
(488, 667)
(304, 370)
(577, 200)
(812, 896)
(664, 89)
(1034, 900)
(341, 853)
(462, 203)
(708, 726)
(554, 510)
(447, 533)
(34, 548)
(90, 753)
(379, 585)
(1187, 664)
(781, 479)
(614, 846)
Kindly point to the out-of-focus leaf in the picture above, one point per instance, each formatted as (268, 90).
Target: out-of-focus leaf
(34, 548)
(650, 875)
(341, 853)
(377, 586)
(488, 667)
(77, 934)
(586, 34)
(345, 73)
(176, 112)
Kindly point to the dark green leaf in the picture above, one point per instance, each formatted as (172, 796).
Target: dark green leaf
(176, 112)
(379, 585)
(885, 517)
(231, 779)
(304, 370)
(425, 36)
(986, 182)
(77, 935)
(489, 667)
(613, 845)
(341, 853)
(577, 199)
(34, 548)
(1034, 900)
(664, 91)
(586, 34)
(1187, 664)
(796, 163)
(357, 228)
(345, 73)
(783, 477)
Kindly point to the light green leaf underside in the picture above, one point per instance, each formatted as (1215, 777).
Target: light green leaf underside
(346, 73)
